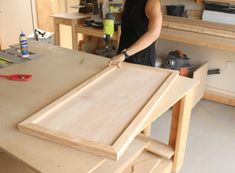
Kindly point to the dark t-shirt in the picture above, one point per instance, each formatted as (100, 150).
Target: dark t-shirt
(134, 25)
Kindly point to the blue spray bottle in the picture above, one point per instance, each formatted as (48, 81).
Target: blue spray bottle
(24, 45)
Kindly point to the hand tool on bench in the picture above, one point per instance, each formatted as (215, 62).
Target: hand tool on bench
(17, 77)
(6, 60)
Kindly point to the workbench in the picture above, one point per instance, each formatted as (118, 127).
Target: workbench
(76, 21)
(70, 19)
(55, 73)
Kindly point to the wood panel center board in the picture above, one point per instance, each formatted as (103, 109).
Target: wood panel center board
(104, 114)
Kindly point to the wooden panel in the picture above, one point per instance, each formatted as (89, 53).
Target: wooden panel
(224, 1)
(71, 16)
(179, 129)
(201, 75)
(104, 114)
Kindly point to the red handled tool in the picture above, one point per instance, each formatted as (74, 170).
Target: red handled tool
(17, 77)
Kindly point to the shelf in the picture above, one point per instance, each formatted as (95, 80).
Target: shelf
(199, 26)
(224, 1)
(198, 39)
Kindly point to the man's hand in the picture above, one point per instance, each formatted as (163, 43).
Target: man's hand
(117, 60)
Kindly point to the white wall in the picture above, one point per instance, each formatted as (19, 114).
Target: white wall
(15, 17)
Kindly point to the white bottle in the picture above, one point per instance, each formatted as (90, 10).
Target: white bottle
(24, 45)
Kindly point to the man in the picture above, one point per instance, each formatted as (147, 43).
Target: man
(141, 26)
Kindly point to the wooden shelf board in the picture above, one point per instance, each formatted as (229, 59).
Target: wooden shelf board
(220, 98)
(199, 26)
(225, 1)
(70, 16)
(198, 39)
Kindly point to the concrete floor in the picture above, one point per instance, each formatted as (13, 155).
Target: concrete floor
(210, 147)
(211, 140)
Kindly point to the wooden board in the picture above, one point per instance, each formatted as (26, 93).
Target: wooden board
(199, 26)
(201, 75)
(198, 39)
(157, 147)
(145, 163)
(165, 166)
(104, 114)
(44, 10)
(218, 97)
(134, 150)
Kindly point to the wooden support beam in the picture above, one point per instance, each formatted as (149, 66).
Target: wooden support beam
(179, 129)
(157, 147)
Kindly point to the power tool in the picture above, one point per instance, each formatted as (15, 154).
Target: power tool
(177, 60)
(110, 12)
(108, 29)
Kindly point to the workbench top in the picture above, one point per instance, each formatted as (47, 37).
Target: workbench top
(58, 71)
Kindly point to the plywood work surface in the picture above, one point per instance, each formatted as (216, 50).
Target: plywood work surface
(21, 100)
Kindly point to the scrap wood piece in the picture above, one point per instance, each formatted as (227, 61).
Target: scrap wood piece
(145, 163)
(158, 147)
(110, 166)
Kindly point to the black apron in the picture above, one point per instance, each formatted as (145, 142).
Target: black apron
(134, 25)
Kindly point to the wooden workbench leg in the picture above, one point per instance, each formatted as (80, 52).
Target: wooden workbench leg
(74, 35)
(147, 131)
(57, 33)
(181, 114)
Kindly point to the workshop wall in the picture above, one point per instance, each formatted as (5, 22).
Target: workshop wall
(15, 16)
(223, 83)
